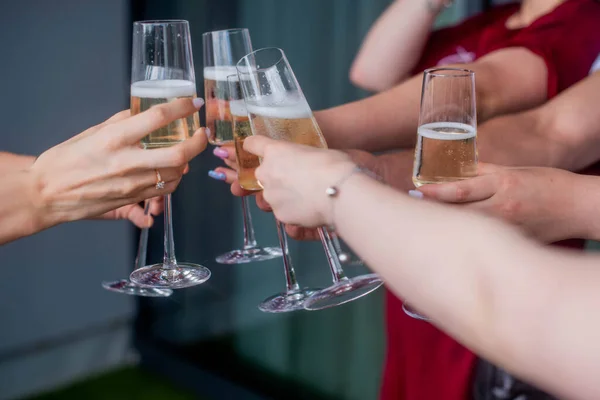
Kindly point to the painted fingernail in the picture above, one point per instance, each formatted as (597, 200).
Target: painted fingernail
(415, 194)
(198, 102)
(216, 175)
(207, 131)
(219, 152)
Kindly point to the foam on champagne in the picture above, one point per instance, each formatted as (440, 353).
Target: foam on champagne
(238, 108)
(447, 131)
(219, 73)
(281, 107)
(163, 89)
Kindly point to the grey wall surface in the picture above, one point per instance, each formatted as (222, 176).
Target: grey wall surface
(64, 67)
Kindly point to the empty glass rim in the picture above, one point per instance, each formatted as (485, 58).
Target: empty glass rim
(161, 22)
(232, 30)
(452, 72)
(281, 57)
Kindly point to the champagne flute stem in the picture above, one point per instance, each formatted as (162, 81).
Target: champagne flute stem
(333, 260)
(249, 239)
(169, 261)
(140, 259)
(290, 274)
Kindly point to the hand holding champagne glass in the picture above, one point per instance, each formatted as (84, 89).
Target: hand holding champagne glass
(446, 148)
(163, 72)
(277, 109)
(222, 49)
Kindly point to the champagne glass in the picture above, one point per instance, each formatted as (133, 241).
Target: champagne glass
(277, 108)
(162, 70)
(125, 286)
(293, 298)
(222, 49)
(446, 148)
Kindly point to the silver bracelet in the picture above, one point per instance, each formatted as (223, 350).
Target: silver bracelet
(334, 190)
(436, 8)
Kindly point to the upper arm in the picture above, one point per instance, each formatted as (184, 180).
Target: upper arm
(509, 80)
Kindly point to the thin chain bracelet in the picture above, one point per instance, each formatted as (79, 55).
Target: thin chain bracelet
(333, 191)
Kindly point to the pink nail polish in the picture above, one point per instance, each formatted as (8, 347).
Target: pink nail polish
(198, 102)
(219, 152)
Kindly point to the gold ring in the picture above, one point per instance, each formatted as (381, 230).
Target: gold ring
(160, 184)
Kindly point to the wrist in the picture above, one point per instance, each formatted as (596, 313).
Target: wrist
(39, 203)
(26, 217)
(334, 181)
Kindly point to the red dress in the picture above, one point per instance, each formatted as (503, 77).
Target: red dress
(422, 363)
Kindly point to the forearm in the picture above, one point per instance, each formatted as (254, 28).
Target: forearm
(389, 119)
(563, 133)
(393, 45)
(535, 138)
(18, 211)
(14, 162)
(385, 121)
(476, 279)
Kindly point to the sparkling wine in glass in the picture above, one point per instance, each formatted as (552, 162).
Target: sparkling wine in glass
(446, 148)
(222, 50)
(278, 109)
(163, 71)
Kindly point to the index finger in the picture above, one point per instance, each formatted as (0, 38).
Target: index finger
(133, 129)
(465, 191)
(256, 144)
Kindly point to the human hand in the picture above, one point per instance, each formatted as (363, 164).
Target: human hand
(297, 195)
(539, 200)
(103, 168)
(135, 213)
(229, 175)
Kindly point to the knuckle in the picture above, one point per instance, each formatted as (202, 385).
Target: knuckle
(462, 193)
(177, 157)
(128, 187)
(509, 209)
(159, 114)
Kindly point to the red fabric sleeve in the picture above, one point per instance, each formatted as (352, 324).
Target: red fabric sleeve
(568, 40)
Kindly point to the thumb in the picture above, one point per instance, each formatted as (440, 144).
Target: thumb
(138, 218)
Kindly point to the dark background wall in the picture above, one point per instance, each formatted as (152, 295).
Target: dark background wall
(64, 68)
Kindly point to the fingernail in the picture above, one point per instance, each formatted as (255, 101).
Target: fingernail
(216, 175)
(219, 152)
(415, 194)
(198, 102)
(207, 131)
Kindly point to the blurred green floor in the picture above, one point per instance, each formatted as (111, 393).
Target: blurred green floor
(123, 384)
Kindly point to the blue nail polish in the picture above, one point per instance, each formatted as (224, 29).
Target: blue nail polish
(415, 194)
(217, 175)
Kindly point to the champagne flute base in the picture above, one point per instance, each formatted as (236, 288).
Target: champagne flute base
(344, 291)
(126, 287)
(249, 255)
(408, 310)
(182, 276)
(286, 302)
